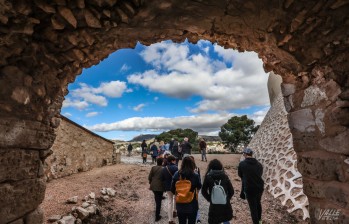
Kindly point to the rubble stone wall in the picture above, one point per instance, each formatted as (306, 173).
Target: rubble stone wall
(76, 149)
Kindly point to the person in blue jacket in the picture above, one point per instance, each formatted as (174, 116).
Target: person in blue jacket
(187, 211)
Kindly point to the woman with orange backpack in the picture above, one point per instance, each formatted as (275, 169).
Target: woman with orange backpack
(185, 186)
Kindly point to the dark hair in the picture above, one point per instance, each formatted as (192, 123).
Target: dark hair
(171, 158)
(159, 161)
(192, 157)
(214, 164)
(187, 166)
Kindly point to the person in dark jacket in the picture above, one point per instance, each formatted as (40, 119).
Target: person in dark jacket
(154, 150)
(167, 173)
(129, 149)
(157, 186)
(174, 150)
(203, 146)
(144, 151)
(250, 171)
(186, 146)
(187, 211)
(217, 213)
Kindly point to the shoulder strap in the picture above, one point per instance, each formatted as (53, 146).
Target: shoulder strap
(169, 171)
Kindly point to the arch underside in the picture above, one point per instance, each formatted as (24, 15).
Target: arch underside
(44, 46)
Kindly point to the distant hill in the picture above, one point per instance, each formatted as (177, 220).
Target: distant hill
(140, 138)
(211, 138)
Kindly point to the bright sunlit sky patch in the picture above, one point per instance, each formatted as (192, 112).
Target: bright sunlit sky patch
(167, 86)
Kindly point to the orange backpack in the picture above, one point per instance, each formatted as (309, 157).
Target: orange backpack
(183, 193)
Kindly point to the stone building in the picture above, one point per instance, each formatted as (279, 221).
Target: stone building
(76, 149)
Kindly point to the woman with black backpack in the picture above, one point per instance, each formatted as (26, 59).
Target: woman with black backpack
(218, 190)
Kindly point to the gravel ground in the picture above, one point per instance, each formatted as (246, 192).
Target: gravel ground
(134, 201)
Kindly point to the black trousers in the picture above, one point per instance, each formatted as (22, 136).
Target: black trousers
(254, 202)
(184, 217)
(158, 199)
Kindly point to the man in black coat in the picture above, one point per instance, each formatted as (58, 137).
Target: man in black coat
(186, 146)
(250, 171)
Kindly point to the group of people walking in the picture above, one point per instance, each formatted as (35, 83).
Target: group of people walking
(173, 147)
(182, 186)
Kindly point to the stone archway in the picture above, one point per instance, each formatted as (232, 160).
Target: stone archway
(44, 46)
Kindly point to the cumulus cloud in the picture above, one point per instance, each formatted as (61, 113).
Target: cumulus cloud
(178, 73)
(85, 95)
(205, 124)
(92, 114)
(139, 107)
(80, 105)
(258, 116)
(112, 89)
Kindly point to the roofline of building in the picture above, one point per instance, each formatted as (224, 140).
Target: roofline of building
(85, 129)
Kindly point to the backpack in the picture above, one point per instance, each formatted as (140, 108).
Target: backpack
(218, 195)
(183, 193)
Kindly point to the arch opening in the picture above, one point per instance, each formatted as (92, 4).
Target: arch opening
(44, 46)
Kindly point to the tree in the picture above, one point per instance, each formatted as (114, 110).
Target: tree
(237, 131)
(180, 134)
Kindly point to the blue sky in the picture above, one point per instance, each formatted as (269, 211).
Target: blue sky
(166, 86)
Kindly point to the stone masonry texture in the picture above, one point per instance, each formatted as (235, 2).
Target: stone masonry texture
(44, 45)
(76, 150)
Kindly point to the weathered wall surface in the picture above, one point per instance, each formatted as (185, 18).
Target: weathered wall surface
(44, 45)
(77, 149)
(273, 146)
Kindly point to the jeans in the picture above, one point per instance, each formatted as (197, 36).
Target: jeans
(254, 202)
(183, 217)
(158, 199)
(203, 155)
(171, 206)
(153, 159)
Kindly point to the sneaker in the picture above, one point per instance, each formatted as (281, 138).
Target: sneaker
(158, 218)
(174, 214)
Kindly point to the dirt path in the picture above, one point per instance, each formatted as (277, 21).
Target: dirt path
(134, 203)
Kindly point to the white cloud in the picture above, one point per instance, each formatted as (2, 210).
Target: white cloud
(139, 107)
(112, 89)
(92, 114)
(75, 103)
(67, 114)
(86, 95)
(179, 74)
(124, 68)
(120, 106)
(205, 124)
(258, 116)
(156, 98)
